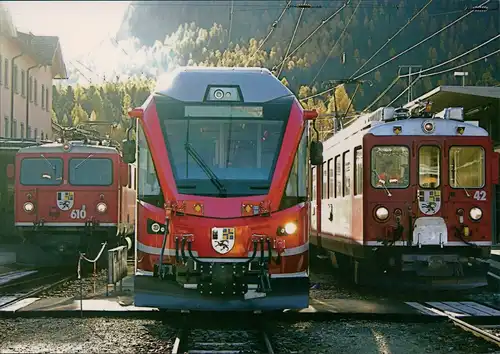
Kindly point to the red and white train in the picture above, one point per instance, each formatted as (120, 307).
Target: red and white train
(407, 193)
(222, 212)
(73, 196)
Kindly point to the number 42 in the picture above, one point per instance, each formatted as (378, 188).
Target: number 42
(480, 195)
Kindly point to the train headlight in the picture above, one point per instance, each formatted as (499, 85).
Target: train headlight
(475, 214)
(28, 207)
(290, 228)
(101, 207)
(218, 94)
(382, 213)
(155, 227)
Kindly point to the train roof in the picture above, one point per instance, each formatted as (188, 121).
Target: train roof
(384, 122)
(75, 147)
(191, 84)
(16, 144)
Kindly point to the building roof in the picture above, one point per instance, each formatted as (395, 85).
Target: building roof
(46, 51)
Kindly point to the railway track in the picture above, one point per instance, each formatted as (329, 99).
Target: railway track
(18, 289)
(229, 338)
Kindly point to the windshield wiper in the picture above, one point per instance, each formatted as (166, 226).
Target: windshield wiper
(81, 163)
(50, 165)
(208, 171)
(459, 186)
(382, 182)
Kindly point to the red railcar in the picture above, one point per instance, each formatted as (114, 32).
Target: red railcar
(73, 196)
(222, 211)
(407, 194)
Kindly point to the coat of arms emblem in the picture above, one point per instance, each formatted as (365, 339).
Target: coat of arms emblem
(65, 200)
(223, 239)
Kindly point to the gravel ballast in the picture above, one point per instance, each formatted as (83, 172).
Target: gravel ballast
(95, 335)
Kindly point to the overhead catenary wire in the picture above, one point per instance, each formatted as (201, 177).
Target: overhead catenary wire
(402, 53)
(420, 72)
(444, 72)
(410, 20)
(273, 27)
(291, 39)
(336, 42)
(324, 22)
(454, 58)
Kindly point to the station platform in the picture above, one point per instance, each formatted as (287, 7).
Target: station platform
(119, 302)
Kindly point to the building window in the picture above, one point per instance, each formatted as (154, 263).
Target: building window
(15, 79)
(28, 132)
(36, 134)
(6, 72)
(14, 129)
(43, 96)
(22, 130)
(6, 127)
(23, 83)
(35, 94)
(47, 99)
(30, 88)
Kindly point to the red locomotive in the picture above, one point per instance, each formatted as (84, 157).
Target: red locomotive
(222, 212)
(407, 193)
(72, 196)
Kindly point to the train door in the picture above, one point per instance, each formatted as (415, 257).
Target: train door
(430, 226)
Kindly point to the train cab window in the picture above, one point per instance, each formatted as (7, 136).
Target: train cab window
(467, 167)
(429, 166)
(389, 167)
(90, 172)
(330, 178)
(347, 173)
(358, 171)
(324, 182)
(296, 191)
(148, 186)
(338, 177)
(41, 171)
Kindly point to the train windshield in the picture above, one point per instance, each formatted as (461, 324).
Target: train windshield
(90, 171)
(390, 167)
(224, 150)
(466, 169)
(41, 171)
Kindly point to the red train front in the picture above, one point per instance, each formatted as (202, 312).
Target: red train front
(72, 196)
(408, 194)
(222, 198)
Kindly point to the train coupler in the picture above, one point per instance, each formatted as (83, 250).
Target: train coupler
(222, 279)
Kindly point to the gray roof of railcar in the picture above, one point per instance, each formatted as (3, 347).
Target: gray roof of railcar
(76, 147)
(189, 84)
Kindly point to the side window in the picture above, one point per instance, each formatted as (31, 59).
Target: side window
(338, 177)
(330, 178)
(358, 171)
(313, 183)
(347, 173)
(324, 180)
